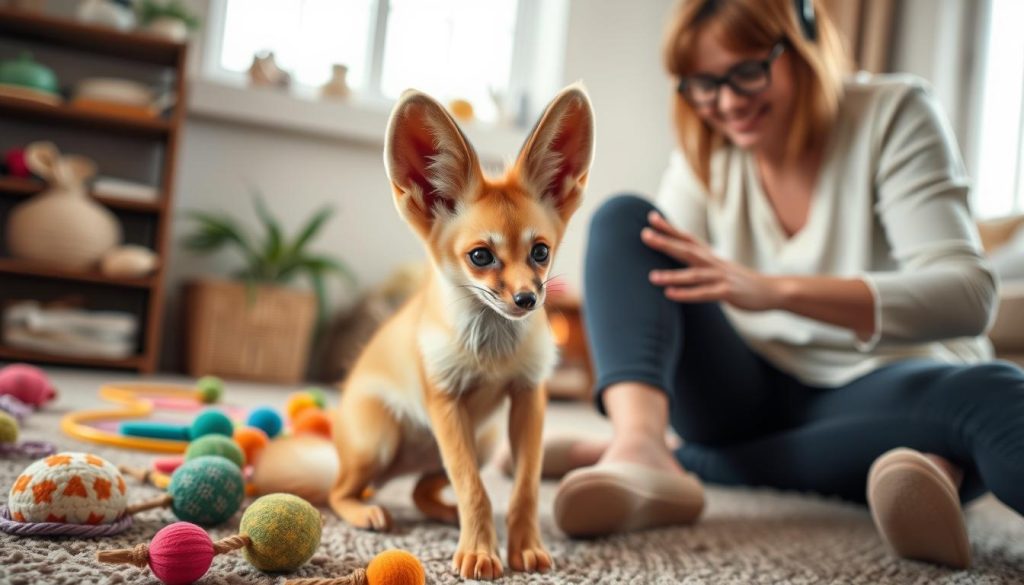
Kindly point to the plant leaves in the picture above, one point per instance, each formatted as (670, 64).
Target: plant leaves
(273, 246)
(310, 230)
(216, 231)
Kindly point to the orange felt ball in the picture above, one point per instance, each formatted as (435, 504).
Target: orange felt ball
(312, 421)
(395, 567)
(299, 402)
(252, 441)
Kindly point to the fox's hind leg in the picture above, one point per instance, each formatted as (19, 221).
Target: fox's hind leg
(427, 496)
(366, 436)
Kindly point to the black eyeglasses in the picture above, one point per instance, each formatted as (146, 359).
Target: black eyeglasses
(746, 78)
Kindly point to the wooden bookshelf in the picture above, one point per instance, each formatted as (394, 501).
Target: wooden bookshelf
(69, 34)
(67, 41)
(17, 187)
(65, 114)
(14, 354)
(26, 268)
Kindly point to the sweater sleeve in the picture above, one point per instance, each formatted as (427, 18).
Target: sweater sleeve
(943, 288)
(682, 198)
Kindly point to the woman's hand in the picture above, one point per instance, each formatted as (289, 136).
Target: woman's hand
(707, 277)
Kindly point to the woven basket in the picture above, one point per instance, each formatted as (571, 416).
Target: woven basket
(264, 335)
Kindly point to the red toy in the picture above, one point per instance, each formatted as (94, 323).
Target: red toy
(26, 383)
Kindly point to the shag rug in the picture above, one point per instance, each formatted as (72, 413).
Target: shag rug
(746, 536)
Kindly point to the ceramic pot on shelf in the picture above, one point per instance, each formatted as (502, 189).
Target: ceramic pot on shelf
(62, 226)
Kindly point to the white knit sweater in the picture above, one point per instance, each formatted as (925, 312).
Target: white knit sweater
(890, 207)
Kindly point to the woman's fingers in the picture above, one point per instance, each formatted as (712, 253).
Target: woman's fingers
(659, 222)
(698, 294)
(676, 248)
(685, 276)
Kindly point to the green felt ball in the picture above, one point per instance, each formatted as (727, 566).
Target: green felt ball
(211, 389)
(211, 422)
(319, 396)
(8, 428)
(217, 445)
(285, 532)
(207, 490)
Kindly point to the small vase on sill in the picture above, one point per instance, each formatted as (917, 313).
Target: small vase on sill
(337, 87)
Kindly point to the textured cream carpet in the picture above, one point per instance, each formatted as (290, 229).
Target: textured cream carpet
(746, 536)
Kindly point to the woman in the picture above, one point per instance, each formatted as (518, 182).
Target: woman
(804, 305)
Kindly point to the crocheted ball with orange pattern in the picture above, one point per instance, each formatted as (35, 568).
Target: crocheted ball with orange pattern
(71, 488)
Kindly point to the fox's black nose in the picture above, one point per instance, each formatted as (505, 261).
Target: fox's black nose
(525, 300)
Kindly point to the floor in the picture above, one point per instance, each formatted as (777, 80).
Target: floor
(746, 535)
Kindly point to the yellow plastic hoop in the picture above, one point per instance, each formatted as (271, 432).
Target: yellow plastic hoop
(133, 406)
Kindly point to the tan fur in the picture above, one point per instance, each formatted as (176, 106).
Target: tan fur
(426, 393)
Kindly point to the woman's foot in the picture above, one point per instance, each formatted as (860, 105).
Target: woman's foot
(637, 484)
(561, 455)
(916, 508)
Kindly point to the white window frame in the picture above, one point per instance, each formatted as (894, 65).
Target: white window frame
(537, 68)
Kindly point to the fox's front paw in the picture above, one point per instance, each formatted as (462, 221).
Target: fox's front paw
(526, 553)
(477, 563)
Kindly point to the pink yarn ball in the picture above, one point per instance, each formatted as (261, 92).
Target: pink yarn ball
(26, 383)
(180, 553)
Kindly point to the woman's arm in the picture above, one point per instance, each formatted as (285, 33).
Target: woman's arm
(846, 302)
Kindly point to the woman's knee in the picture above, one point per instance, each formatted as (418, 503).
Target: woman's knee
(989, 397)
(623, 211)
(989, 380)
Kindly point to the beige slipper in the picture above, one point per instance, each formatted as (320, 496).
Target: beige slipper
(917, 510)
(622, 497)
(556, 458)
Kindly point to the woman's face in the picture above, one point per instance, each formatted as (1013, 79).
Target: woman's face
(749, 121)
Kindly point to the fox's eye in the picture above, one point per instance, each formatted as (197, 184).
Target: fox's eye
(481, 257)
(539, 253)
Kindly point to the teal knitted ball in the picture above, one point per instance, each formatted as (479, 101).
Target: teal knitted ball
(207, 490)
(211, 422)
(218, 445)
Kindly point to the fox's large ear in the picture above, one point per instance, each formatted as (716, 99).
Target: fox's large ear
(431, 165)
(555, 160)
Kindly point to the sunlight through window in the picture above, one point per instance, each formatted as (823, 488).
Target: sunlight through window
(998, 188)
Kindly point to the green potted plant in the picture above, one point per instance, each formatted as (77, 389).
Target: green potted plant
(170, 19)
(255, 325)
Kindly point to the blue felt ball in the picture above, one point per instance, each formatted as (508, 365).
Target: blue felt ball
(211, 422)
(267, 420)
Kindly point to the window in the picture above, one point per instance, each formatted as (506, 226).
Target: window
(999, 187)
(466, 49)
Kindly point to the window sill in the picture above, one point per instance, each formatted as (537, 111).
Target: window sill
(350, 120)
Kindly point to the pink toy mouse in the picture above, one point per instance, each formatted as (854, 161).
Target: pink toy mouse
(27, 383)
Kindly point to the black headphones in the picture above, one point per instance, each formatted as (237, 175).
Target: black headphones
(805, 16)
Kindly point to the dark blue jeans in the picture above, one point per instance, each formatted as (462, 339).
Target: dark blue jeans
(745, 422)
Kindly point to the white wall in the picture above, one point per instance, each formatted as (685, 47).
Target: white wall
(612, 46)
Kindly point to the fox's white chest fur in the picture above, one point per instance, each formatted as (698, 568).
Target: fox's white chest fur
(486, 350)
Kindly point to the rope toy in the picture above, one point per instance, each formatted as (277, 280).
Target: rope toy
(279, 532)
(391, 567)
(75, 494)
